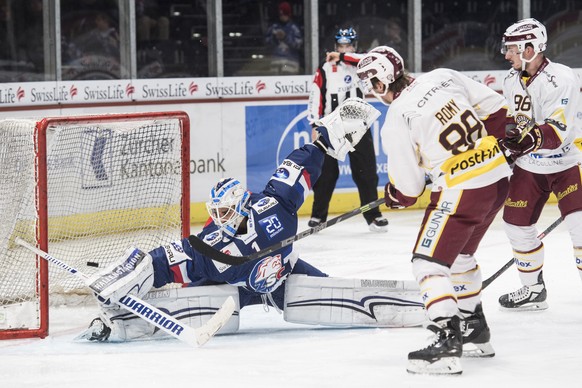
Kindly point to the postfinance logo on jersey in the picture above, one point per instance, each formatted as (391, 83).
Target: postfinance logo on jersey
(485, 157)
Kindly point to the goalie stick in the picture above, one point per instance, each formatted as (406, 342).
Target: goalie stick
(501, 270)
(194, 337)
(224, 258)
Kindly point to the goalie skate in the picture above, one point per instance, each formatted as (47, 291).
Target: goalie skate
(443, 356)
(476, 335)
(97, 331)
(527, 298)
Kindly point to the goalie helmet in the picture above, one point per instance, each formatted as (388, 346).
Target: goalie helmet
(383, 64)
(347, 36)
(228, 205)
(523, 32)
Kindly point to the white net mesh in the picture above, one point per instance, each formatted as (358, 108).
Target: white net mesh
(109, 185)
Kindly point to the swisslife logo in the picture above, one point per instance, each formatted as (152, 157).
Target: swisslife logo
(260, 86)
(20, 94)
(232, 88)
(192, 88)
(129, 90)
(100, 92)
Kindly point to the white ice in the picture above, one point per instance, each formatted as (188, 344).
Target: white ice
(534, 349)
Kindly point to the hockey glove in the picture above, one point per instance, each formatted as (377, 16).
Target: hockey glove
(520, 141)
(394, 199)
(342, 129)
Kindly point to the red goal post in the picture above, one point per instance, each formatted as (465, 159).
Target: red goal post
(84, 188)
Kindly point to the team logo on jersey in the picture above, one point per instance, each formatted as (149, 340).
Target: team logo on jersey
(522, 120)
(265, 204)
(267, 274)
(282, 173)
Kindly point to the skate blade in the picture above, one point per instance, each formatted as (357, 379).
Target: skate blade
(444, 366)
(84, 336)
(472, 350)
(534, 306)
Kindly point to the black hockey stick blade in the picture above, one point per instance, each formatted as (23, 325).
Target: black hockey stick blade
(221, 257)
(506, 266)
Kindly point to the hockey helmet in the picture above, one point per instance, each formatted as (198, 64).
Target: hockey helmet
(523, 32)
(346, 36)
(383, 64)
(228, 205)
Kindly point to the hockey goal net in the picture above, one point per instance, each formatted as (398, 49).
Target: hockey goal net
(84, 189)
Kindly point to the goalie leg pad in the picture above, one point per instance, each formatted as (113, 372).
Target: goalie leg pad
(191, 305)
(353, 302)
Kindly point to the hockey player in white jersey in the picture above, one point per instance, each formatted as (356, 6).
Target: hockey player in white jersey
(543, 97)
(445, 125)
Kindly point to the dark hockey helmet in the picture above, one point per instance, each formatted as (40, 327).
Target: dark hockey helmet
(347, 36)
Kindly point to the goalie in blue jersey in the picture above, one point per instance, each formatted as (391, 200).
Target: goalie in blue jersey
(242, 223)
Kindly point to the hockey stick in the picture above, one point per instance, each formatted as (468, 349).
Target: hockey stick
(221, 257)
(151, 314)
(491, 278)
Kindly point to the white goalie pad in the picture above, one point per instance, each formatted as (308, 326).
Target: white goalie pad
(191, 305)
(353, 302)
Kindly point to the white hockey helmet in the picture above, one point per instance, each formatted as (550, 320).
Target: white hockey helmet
(382, 63)
(523, 32)
(228, 205)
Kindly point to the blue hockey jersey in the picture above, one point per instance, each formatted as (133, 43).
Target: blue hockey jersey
(272, 218)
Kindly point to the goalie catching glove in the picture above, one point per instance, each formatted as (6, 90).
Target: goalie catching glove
(132, 274)
(342, 129)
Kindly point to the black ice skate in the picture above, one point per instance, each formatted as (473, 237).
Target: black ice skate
(97, 331)
(443, 356)
(476, 334)
(378, 225)
(314, 221)
(527, 298)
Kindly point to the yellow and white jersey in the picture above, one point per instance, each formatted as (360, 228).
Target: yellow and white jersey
(436, 127)
(551, 97)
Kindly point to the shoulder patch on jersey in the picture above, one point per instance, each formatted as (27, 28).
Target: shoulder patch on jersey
(288, 172)
(264, 204)
(212, 238)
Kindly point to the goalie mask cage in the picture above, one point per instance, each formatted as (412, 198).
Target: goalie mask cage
(84, 189)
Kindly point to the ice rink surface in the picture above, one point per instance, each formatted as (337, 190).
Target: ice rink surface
(534, 349)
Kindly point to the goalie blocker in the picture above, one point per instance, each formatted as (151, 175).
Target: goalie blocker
(308, 300)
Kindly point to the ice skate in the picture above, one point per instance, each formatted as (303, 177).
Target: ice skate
(476, 335)
(314, 221)
(527, 298)
(378, 225)
(443, 356)
(97, 331)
